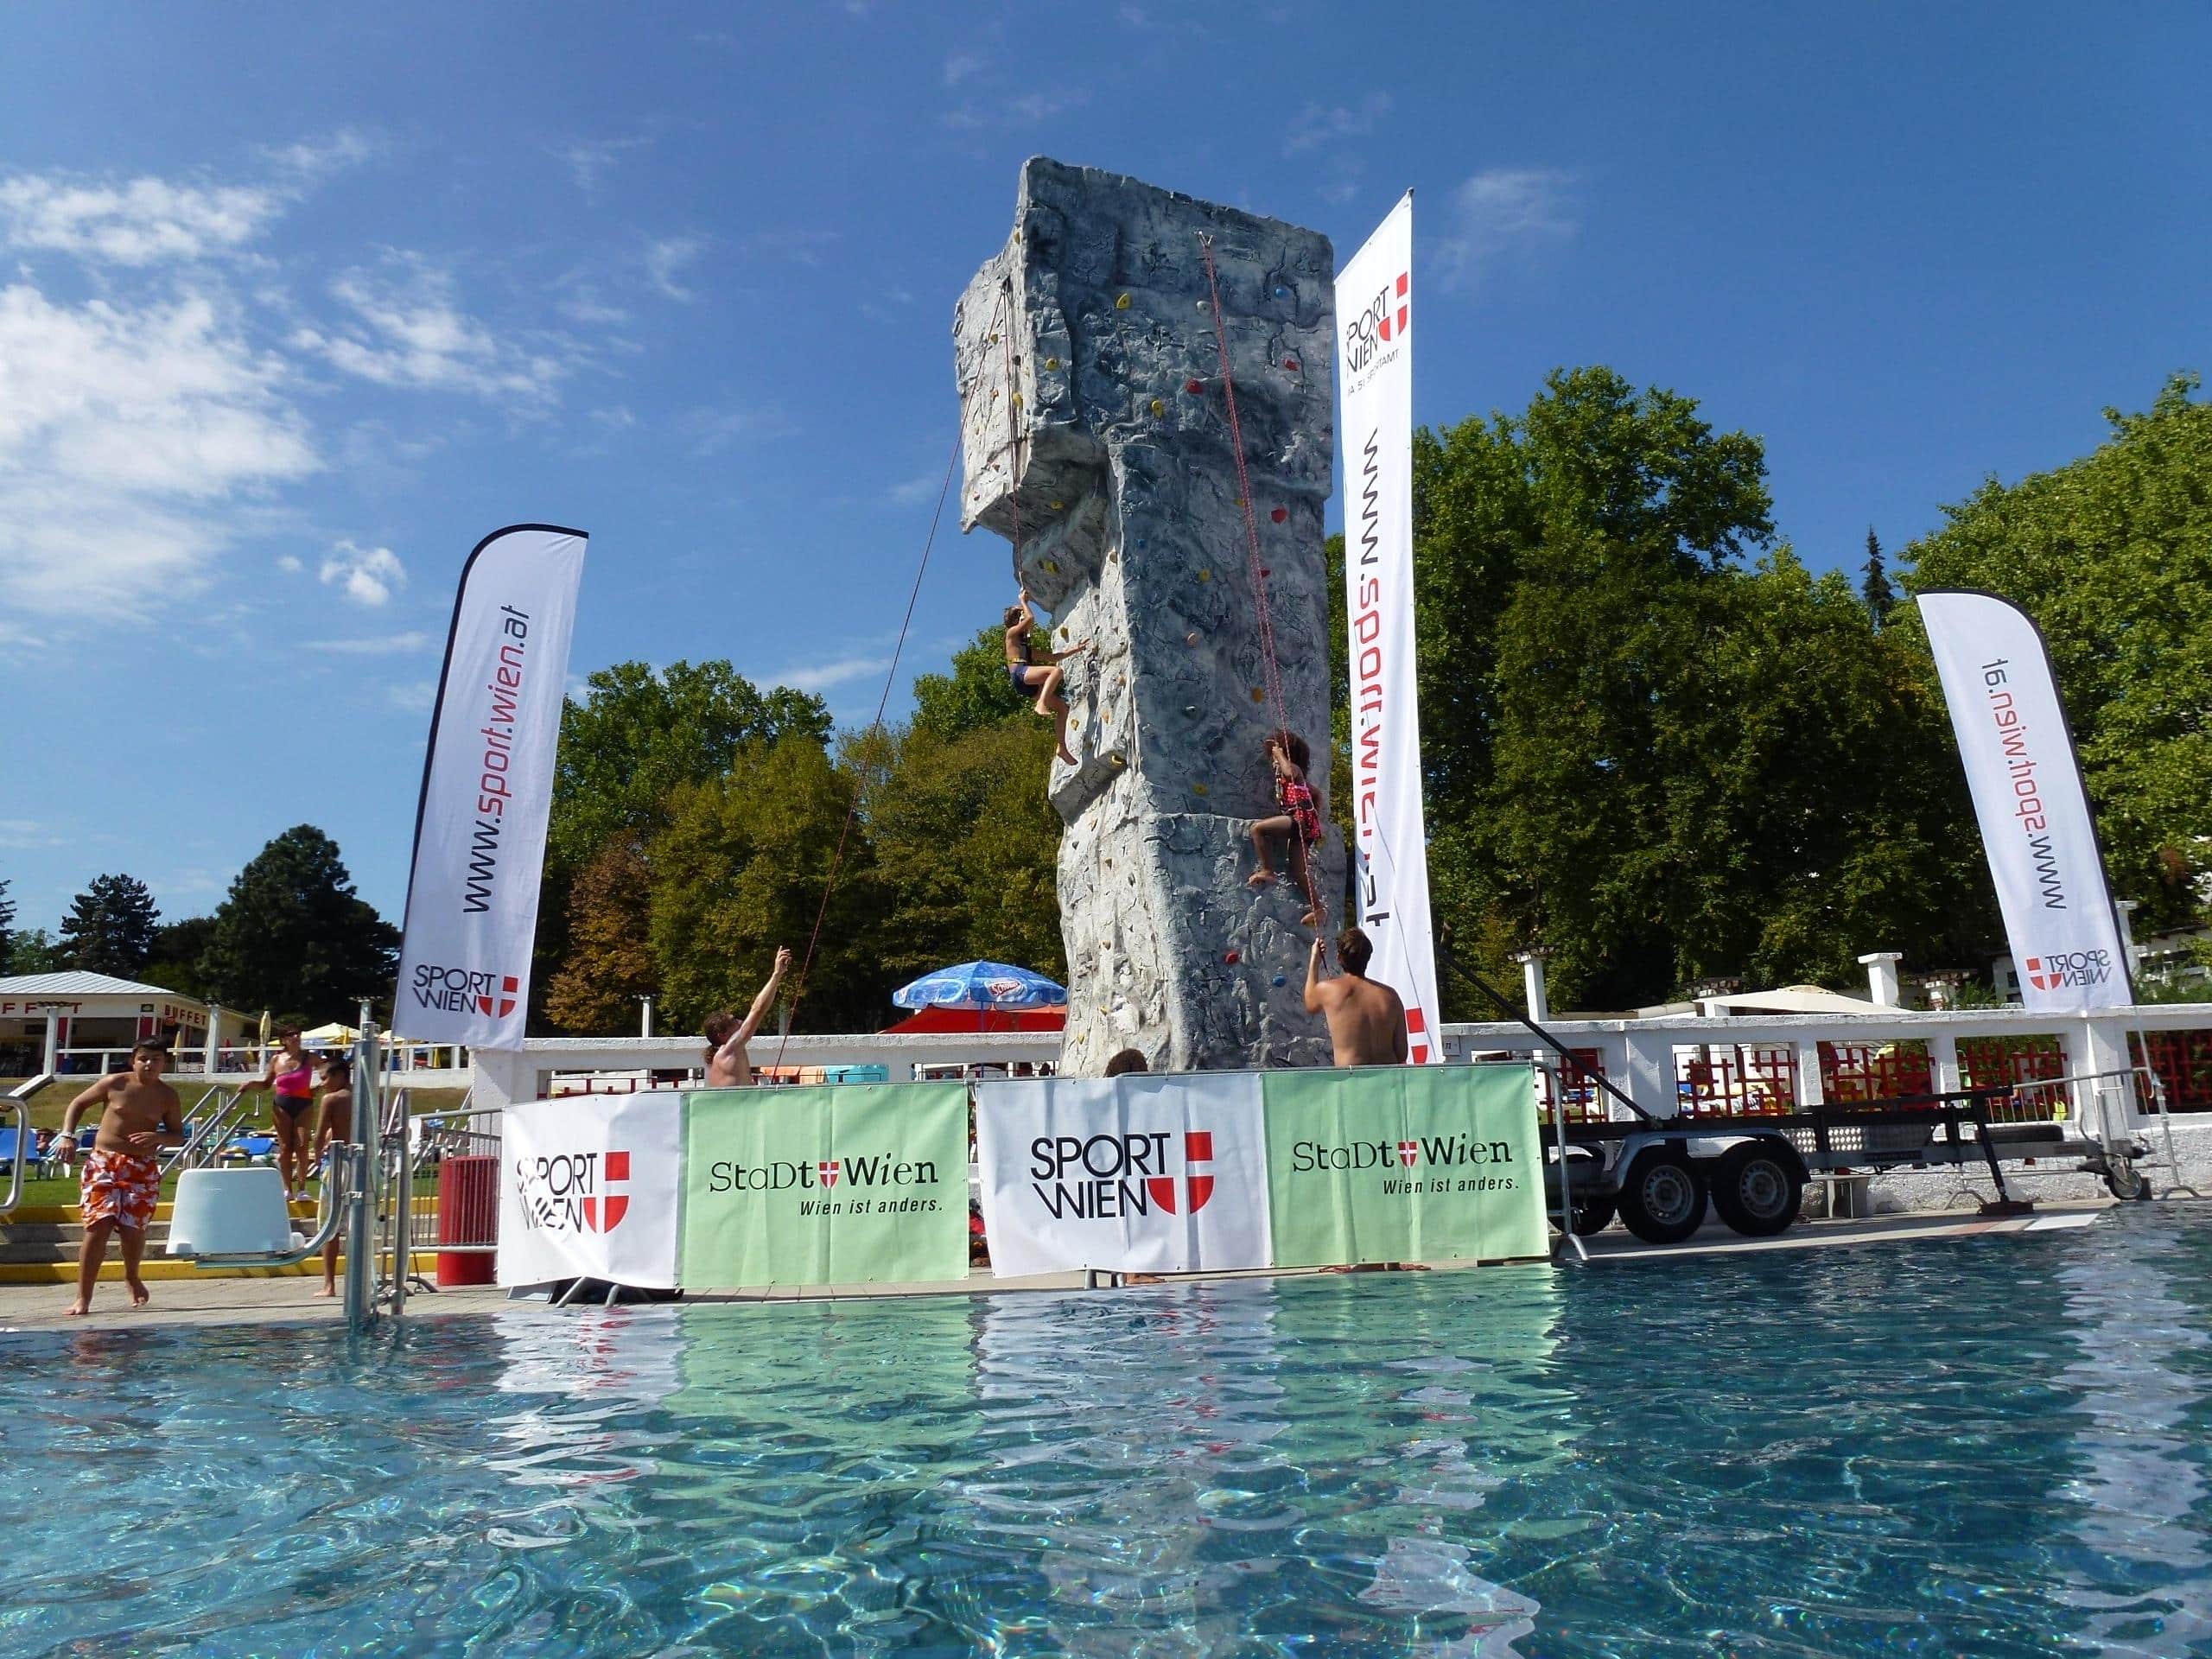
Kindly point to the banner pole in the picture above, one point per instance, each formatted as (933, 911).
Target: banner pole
(360, 1302)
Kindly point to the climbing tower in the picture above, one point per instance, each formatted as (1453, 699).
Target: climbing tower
(1167, 507)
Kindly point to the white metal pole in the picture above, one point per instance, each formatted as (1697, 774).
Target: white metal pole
(360, 1272)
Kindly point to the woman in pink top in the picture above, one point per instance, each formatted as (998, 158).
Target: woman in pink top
(291, 1074)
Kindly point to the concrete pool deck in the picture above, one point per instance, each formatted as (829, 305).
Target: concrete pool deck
(217, 1301)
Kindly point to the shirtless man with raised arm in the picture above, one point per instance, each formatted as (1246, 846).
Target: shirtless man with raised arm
(121, 1181)
(727, 1065)
(1367, 1022)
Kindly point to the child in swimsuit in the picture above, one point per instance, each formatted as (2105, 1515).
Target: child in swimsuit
(1299, 824)
(121, 1181)
(1029, 675)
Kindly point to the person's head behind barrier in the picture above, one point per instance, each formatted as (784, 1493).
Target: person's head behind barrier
(1130, 1059)
(718, 1026)
(1353, 948)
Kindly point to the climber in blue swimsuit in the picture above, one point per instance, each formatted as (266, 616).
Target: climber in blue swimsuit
(1027, 674)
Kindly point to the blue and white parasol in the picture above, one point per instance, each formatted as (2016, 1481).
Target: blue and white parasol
(981, 985)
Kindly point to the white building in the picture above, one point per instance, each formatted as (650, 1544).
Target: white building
(82, 1022)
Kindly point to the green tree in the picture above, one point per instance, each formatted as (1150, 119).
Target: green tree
(34, 951)
(7, 917)
(741, 868)
(975, 695)
(640, 735)
(294, 936)
(1881, 599)
(174, 960)
(110, 926)
(609, 963)
(2112, 556)
(967, 843)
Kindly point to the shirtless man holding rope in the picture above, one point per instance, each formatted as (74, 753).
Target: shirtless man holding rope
(1367, 1021)
(727, 1065)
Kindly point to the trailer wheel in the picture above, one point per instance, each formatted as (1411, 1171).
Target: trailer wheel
(1662, 1200)
(2124, 1181)
(1593, 1216)
(1759, 1188)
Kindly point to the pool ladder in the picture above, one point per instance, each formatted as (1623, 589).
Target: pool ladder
(19, 1103)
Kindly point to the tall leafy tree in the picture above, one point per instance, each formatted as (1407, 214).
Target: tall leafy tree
(174, 960)
(7, 923)
(1879, 597)
(110, 926)
(639, 734)
(34, 951)
(741, 868)
(609, 963)
(975, 695)
(2112, 556)
(294, 936)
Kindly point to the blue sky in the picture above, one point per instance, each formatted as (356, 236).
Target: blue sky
(296, 303)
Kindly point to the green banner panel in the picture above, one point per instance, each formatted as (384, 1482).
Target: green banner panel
(843, 1185)
(1410, 1163)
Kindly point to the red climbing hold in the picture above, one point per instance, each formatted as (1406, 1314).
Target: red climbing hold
(1194, 385)
(1280, 515)
(1291, 363)
(1231, 957)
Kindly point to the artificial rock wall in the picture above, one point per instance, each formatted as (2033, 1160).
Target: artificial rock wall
(1096, 439)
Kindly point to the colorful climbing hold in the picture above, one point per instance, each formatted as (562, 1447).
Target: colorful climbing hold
(1052, 362)
(1291, 363)
(1279, 980)
(1265, 573)
(1281, 293)
(1280, 515)
(1232, 957)
(1259, 694)
(1192, 709)
(1060, 506)
(1017, 400)
(1118, 759)
(1194, 385)
(1050, 566)
(1206, 575)
(1123, 303)
(1191, 640)
(1198, 789)
(1158, 406)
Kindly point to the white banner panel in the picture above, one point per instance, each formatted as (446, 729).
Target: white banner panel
(1140, 1173)
(487, 791)
(1374, 377)
(2027, 789)
(587, 1189)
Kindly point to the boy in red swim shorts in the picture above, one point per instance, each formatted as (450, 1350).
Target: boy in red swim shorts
(122, 1178)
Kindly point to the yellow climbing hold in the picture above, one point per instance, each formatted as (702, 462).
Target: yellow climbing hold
(1017, 400)
(1159, 407)
(1052, 362)
(1051, 567)
(1121, 304)
(1198, 789)
(1117, 759)
(1258, 694)
(1060, 506)
(1206, 575)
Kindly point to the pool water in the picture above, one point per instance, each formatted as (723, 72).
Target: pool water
(1984, 1447)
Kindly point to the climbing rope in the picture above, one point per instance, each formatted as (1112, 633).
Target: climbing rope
(1271, 670)
(890, 678)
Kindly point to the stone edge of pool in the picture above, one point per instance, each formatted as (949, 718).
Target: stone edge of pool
(178, 1303)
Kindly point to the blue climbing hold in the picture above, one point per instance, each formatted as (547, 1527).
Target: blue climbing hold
(1279, 980)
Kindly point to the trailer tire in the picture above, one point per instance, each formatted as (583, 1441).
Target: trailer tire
(1759, 1188)
(1591, 1216)
(2126, 1182)
(1662, 1199)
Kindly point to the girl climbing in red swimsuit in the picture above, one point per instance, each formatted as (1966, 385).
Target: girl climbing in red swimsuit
(1299, 824)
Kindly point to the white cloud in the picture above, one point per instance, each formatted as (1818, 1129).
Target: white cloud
(409, 330)
(665, 261)
(1317, 125)
(819, 676)
(142, 222)
(592, 159)
(960, 66)
(798, 247)
(713, 430)
(368, 573)
(923, 487)
(290, 564)
(412, 696)
(123, 431)
(312, 158)
(389, 645)
(1499, 210)
(1030, 110)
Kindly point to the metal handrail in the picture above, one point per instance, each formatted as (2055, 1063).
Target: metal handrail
(208, 1139)
(19, 1101)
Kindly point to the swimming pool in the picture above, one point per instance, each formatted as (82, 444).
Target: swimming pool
(1994, 1446)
